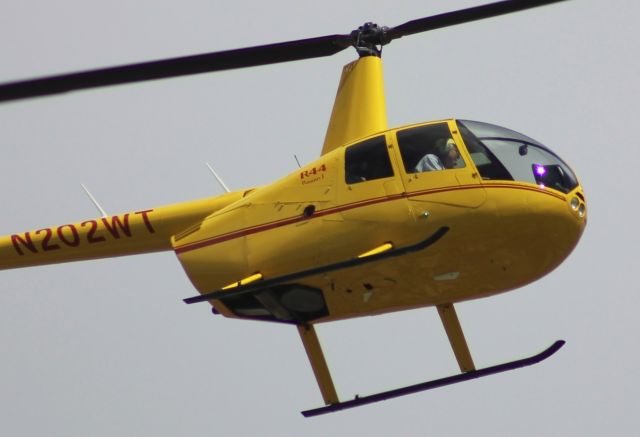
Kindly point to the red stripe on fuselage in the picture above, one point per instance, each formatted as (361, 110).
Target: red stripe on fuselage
(336, 209)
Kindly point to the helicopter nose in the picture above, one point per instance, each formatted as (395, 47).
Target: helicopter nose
(535, 230)
(578, 211)
(560, 227)
(578, 205)
(575, 219)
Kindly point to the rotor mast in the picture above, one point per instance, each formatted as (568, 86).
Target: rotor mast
(359, 109)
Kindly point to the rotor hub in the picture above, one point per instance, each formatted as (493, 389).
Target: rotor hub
(369, 38)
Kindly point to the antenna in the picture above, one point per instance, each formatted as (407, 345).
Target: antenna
(95, 202)
(299, 166)
(222, 184)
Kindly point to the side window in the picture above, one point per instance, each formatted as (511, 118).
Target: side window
(367, 160)
(428, 148)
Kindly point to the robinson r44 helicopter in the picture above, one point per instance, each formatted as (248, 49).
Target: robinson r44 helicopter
(385, 220)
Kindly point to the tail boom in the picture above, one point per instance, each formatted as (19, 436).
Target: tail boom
(130, 233)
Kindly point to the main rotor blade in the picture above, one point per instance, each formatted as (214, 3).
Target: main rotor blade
(367, 37)
(174, 67)
(464, 16)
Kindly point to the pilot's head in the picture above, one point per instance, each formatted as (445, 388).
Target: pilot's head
(448, 152)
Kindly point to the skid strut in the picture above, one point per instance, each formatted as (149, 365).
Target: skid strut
(318, 364)
(456, 337)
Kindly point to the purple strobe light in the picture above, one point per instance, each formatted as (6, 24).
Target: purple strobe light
(540, 170)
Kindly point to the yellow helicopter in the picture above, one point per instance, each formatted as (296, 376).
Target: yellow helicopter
(385, 220)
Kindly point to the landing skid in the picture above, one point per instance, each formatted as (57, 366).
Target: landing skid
(358, 401)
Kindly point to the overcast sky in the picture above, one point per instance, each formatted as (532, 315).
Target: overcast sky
(107, 348)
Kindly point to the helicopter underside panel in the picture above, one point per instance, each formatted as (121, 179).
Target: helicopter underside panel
(288, 303)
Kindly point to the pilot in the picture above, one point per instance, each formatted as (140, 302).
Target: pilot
(446, 156)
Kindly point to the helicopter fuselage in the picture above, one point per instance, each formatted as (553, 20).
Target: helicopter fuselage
(502, 233)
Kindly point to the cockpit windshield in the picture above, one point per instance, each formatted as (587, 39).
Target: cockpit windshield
(503, 154)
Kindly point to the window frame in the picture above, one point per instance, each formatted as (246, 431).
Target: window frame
(453, 134)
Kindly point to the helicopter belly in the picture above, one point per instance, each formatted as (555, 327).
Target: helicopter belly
(518, 234)
(299, 239)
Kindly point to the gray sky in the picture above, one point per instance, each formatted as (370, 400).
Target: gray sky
(107, 347)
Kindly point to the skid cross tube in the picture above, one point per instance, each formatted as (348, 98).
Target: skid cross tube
(358, 401)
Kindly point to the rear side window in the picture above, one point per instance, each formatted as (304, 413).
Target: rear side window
(367, 161)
